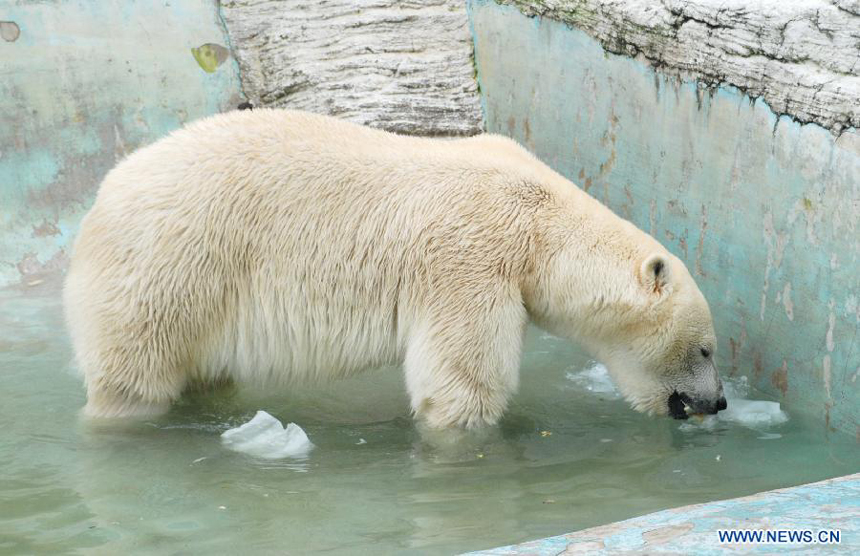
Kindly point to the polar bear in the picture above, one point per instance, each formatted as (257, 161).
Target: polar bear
(281, 246)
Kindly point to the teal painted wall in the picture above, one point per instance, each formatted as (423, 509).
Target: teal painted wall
(82, 83)
(764, 211)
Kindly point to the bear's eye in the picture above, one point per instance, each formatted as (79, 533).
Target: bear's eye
(706, 353)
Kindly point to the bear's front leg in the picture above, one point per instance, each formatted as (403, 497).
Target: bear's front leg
(462, 362)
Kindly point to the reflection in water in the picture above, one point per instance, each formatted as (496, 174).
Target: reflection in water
(562, 459)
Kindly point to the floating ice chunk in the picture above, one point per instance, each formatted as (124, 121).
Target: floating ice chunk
(749, 413)
(753, 413)
(595, 379)
(700, 422)
(738, 387)
(265, 437)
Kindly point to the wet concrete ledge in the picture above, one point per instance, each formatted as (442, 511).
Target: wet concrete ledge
(825, 505)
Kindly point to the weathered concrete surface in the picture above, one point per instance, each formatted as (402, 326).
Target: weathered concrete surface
(401, 66)
(826, 505)
(764, 211)
(801, 56)
(82, 84)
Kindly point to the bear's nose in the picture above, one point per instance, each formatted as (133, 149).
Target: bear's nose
(722, 403)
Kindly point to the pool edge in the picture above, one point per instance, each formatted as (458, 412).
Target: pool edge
(831, 504)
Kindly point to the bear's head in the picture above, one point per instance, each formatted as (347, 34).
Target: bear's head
(643, 316)
(662, 356)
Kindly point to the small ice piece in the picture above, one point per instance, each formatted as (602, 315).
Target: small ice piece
(753, 413)
(265, 437)
(595, 379)
(706, 422)
(737, 387)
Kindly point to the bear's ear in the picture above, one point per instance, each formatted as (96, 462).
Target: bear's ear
(654, 273)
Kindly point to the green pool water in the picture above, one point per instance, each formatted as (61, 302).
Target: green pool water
(562, 459)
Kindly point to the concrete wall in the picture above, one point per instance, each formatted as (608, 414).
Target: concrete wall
(763, 210)
(83, 83)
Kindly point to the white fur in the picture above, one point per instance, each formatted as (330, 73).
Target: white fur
(273, 245)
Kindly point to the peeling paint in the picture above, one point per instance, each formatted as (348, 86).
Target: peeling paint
(584, 547)
(682, 243)
(9, 31)
(758, 366)
(831, 324)
(787, 302)
(779, 378)
(852, 307)
(46, 229)
(652, 217)
(30, 264)
(736, 346)
(701, 247)
(776, 243)
(120, 150)
(663, 535)
(209, 56)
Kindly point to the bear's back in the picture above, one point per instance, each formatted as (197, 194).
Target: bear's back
(330, 233)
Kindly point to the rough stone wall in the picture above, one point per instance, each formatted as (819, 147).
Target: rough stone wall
(801, 56)
(404, 66)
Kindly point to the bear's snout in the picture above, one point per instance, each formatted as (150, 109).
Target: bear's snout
(681, 406)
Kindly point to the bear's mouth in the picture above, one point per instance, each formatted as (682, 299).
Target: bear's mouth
(678, 405)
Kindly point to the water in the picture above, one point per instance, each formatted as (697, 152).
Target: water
(564, 458)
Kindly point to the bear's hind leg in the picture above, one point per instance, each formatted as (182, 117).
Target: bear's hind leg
(131, 381)
(101, 405)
